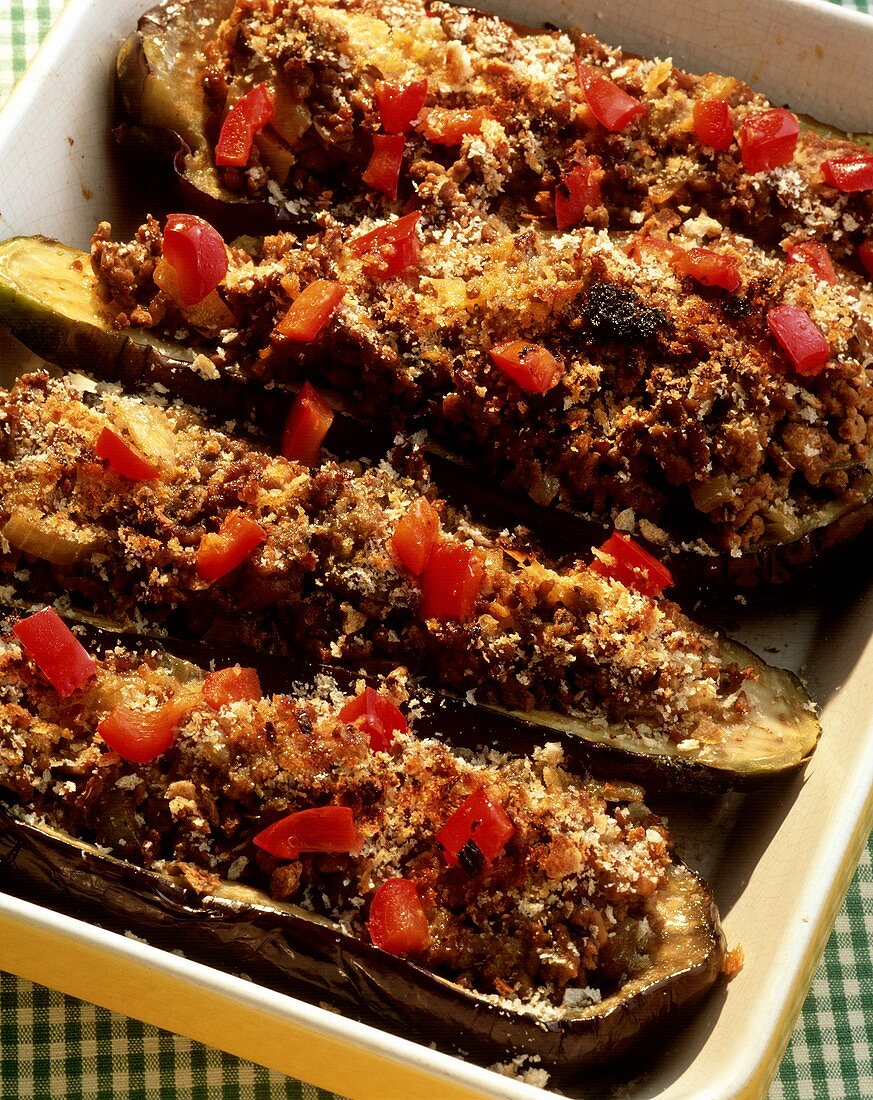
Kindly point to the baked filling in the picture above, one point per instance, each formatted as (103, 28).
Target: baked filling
(552, 910)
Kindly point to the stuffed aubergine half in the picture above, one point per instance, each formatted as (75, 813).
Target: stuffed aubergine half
(144, 514)
(298, 113)
(582, 376)
(495, 902)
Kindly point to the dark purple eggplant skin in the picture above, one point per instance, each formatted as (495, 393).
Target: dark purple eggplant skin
(305, 956)
(146, 134)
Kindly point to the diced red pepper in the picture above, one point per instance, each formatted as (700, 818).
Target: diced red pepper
(55, 650)
(219, 554)
(768, 139)
(610, 105)
(400, 104)
(377, 717)
(383, 171)
(708, 267)
(865, 255)
(231, 685)
(577, 193)
(450, 125)
(451, 582)
(311, 310)
(306, 426)
(814, 255)
(415, 536)
(476, 833)
(712, 123)
(247, 116)
(141, 736)
(800, 339)
(397, 921)
(530, 366)
(850, 173)
(196, 252)
(631, 565)
(395, 247)
(320, 829)
(123, 458)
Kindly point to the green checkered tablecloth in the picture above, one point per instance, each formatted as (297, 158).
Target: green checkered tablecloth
(52, 1046)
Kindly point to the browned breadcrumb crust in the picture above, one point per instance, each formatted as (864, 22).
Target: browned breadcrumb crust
(675, 410)
(734, 961)
(321, 61)
(326, 572)
(560, 917)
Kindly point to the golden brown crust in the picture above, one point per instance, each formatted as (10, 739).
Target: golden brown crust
(326, 571)
(563, 907)
(322, 60)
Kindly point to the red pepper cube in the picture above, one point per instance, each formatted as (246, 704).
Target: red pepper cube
(800, 339)
(400, 104)
(849, 173)
(865, 255)
(196, 252)
(415, 536)
(231, 685)
(221, 553)
(768, 139)
(708, 268)
(320, 829)
(383, 171)
(610, 105)
(476, 833)
(814, 255)
(123, 458)
(306, 426)
(451, 582)
(627, 562)
(450, 125)
(376, 716)
(712, 123)
(397, 922)
(578, 193)
(141, 736)
(392, 249)
(247, 116)
(311, 310)
(530, 366)
(55, 650)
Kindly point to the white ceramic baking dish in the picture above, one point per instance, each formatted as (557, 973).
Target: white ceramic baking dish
(779, 860)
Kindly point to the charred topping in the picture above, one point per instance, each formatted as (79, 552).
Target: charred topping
(615, 313)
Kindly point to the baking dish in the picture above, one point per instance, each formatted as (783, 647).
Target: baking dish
(779, 861)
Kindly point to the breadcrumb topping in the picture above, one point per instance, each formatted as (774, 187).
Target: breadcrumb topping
(559, 919)
(326, 577)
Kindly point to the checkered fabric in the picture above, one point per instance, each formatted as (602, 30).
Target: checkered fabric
(53, 1047)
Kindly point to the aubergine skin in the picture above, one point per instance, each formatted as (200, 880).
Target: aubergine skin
(294, 952)
(164, 114)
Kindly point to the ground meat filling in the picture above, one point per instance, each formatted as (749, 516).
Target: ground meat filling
(326, 576)
(322, 62)
(674, 407)
(560, 916)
